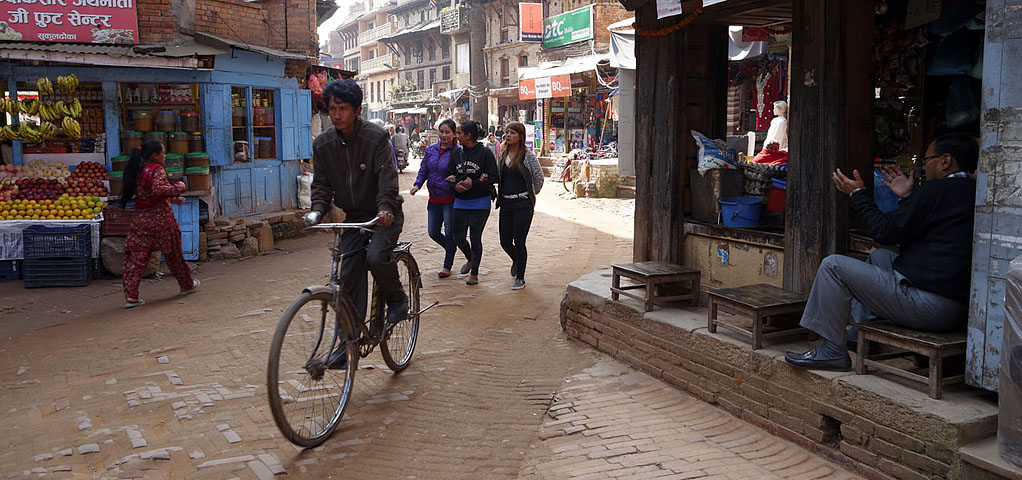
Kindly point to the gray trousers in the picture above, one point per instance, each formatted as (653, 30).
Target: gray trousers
(847, 289)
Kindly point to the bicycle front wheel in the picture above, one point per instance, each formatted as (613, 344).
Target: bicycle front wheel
(399, 344)
(307, 398)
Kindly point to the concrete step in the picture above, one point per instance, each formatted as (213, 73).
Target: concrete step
(627, 180)
(625, 191)
(548, 161)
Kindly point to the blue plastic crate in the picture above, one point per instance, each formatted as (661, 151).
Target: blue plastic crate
(43, 241)
(10, 270)
(57, 272)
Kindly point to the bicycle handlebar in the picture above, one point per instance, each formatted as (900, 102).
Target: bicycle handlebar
(341, 226)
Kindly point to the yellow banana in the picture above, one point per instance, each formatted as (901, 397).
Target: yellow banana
(76, 108)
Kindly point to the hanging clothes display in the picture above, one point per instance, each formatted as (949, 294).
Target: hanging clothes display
(768, 90)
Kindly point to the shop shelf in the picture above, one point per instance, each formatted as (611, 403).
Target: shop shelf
(42, 241)
(57, 272)
(10, 270)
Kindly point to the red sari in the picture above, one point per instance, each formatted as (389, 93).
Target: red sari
(154, 229)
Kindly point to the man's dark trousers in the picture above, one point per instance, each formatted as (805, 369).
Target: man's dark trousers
(379, 258)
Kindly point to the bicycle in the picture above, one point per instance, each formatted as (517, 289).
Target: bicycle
(307, 395)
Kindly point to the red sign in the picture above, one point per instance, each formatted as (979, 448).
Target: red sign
(75, 21)
(531, 15)
(547, 87)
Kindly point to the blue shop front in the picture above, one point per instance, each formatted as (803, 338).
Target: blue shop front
(234, 104)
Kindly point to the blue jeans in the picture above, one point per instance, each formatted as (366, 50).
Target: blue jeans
(442, 215)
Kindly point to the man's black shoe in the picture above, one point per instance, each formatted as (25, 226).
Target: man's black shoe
(397, 310)
(806, 361)
(338, 359)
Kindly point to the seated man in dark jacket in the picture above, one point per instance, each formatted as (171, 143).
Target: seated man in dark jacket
(926, 286)
(354, 169)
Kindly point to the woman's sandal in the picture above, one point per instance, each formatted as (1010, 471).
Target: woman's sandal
(195, 285)
(133, 304)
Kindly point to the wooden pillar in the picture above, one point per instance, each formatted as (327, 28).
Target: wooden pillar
(829, 128)
(660, 128)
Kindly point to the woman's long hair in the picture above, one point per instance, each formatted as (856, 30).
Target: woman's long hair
(139, 157)
(472, 129)
(516, 162)
(451, 125)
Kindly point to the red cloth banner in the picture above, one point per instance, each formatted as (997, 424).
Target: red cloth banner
(70, 21)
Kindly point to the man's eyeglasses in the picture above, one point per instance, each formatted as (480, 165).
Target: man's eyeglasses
(930, 157)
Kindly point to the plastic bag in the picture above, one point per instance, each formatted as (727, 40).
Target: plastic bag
(305, 191)
(714, 154)
(884, 198)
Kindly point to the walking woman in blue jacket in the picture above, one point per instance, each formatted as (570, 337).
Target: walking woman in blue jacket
(433, 173)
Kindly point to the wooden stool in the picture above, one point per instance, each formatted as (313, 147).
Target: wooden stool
(651, 274)
(759, 302)
(936, 346)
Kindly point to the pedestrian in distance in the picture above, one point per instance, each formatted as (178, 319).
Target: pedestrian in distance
(521, 179)
(153, 227)
(473, 173)
(440, 209)
(354, 170)
(494, 145)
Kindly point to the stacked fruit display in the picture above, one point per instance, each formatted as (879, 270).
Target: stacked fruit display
(49, 113)
(64, 207)
(48, 170)
(37, 189)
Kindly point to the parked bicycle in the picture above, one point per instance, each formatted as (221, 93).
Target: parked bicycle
(318, 342)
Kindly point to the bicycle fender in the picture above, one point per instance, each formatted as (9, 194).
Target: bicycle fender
(402, 247)
(315, 289)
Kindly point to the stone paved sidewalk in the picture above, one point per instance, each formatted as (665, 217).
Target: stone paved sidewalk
(614, 422)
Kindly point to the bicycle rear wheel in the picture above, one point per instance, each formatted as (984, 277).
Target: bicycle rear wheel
(307, 399)
(399, 344)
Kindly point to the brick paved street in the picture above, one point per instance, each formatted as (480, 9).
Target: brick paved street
(176, 388)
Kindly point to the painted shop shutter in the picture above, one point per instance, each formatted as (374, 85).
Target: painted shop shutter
(216, 116)
(187, 215)
(266, 190)
(235, 191)
(305, 123)
(289, 118)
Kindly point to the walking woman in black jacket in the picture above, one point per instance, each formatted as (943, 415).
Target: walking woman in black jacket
(473, 172)
(521, 178)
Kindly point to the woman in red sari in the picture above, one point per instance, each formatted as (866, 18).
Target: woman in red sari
(153, 228)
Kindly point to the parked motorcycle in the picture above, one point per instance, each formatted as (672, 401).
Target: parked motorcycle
(402, 162)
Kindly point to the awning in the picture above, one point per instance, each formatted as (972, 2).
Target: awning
(569, 66)
(453, 94)
(622, 44)
(410, 111)
(504, 92)
(221, 42)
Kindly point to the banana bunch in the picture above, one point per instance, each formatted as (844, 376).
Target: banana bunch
(10, 105)
(68, 84)
(47, 111)
(48, 130)
(8, 133)
(69, 109)
(31, 107)
(71, 128)
(30, 133)
(44, 86)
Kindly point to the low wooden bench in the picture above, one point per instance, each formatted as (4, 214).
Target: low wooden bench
(759, 302)
(935, 346)
(650, 275)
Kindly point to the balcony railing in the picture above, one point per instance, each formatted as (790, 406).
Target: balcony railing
(414, 96)
(454, 20)
(382, 62)
(370, 36)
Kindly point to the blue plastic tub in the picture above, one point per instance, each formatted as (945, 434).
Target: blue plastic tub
(741, 211)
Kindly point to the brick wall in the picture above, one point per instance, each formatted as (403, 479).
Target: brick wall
(258, 23)
(878, 436)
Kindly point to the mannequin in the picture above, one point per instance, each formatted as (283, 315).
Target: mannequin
(775, 147)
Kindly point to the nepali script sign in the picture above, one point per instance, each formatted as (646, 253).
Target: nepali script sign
(568, 27)
(71, 21)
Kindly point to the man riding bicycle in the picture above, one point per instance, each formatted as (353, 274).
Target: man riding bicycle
(354, 168)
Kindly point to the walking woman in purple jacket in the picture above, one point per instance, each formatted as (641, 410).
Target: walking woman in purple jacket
(433, 172)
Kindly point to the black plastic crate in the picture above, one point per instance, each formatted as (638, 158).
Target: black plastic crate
(10, 270)
(57, 272)
(42, 241)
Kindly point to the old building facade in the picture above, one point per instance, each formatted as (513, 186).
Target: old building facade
(422, 55)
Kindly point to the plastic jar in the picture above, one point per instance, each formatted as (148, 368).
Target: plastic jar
(264, 148)
(197, 159)
(119, 162)
(241, 152)
(130, 141)
(143, 120)
(238, 116)
(178, 142)
(198, 178)
(268, 116)
(259, 116)
(166, 120)
(116, 182)
(174, 160)
(190, 121)
(175, 174)
(156, 136)
(195, 142)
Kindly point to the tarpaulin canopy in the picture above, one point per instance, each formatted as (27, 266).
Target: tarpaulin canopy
(622, 44)
(566, 67)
